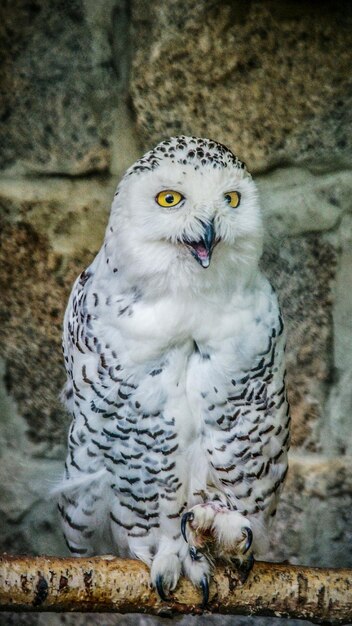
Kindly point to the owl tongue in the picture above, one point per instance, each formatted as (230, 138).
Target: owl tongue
(201, 253)
(202, 249)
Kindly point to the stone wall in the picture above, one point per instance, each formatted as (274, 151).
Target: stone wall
(87, 87)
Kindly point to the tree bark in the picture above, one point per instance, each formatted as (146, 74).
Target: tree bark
(120, 585)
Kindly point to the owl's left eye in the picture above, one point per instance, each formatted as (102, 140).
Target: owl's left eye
(233, 198)
(168, 198)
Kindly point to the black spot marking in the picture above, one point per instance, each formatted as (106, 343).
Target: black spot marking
(41, 591)
(156, 372)
(87, 578)
(187, 150)
(63, 583)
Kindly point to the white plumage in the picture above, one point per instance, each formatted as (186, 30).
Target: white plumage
(174, 351)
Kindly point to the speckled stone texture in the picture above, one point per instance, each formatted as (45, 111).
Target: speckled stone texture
(262, 77)
(312, 525)
(58, 93)
(302, 269)
(32, 306)
(38, 266)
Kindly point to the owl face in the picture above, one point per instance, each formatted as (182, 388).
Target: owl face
(188, 204)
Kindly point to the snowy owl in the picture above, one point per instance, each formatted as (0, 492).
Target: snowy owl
(174, 351)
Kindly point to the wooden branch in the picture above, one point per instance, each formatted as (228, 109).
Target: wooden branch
(121, 585)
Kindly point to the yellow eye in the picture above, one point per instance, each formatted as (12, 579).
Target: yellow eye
(168, 198)
(232, 198)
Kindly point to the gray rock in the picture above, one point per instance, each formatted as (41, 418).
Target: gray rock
(336, 431)
(295, 201)
(50, 231)
(302, 269)
(270, 80)
(29, 519)
(60, 86)
(312, 526)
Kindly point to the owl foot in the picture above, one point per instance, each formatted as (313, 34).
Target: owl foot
(165, 572)
(215, 532)
(221, 532)
(197, 568)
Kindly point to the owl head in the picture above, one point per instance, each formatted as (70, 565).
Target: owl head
(186, 214)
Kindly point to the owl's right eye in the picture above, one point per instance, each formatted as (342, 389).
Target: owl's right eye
(169, 198)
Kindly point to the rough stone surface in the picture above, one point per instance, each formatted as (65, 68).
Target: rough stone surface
(32, 306)
(28, 513)
(295, 201)
(60, 84)
(342, 309)
(35, 281)
(263, 77)
(337, 427)
(312, 524)
(302, 270)
(61, 210)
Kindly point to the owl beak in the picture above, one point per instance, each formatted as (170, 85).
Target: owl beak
(202, 249)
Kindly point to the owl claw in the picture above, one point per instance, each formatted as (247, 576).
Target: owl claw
(186, 517)
(247, 532)
(194, 554)
(160, 588)
(204, 585)
(244, 568)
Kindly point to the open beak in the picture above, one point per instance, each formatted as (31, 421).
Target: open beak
(202, 249)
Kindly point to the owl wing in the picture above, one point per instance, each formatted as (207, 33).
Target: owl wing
(120, 476)
(248, 433)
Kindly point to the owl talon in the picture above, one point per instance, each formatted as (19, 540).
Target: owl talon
(194, 554)
(249, 564)
(204, 585)
(186, 517)
(160, 588)
(244, 568)
(247, 532)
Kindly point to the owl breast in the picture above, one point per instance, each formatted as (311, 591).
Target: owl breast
(185, 358)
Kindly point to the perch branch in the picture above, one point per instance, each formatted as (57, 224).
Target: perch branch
(104, 584)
